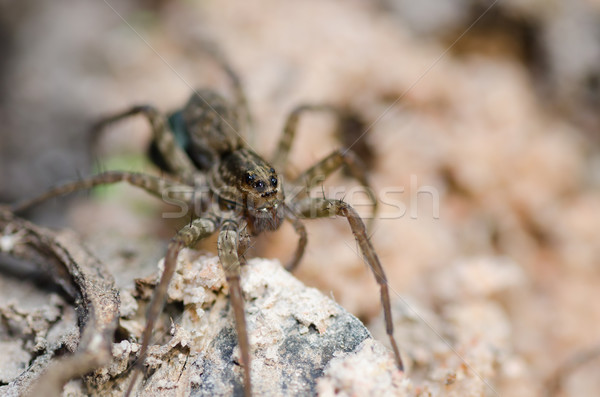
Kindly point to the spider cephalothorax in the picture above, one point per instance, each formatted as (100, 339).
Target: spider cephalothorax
(243, 181)
(246, 195)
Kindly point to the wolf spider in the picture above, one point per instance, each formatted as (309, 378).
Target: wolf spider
(200, 147)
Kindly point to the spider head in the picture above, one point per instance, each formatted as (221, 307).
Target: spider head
(243, 178)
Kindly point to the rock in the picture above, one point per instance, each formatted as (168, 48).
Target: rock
(295, 332)
(368, 371)
(18, 360)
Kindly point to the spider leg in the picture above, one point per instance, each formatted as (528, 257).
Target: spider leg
(302, 240)
(241, 102)
(320, 171)
(188, 236)
(174, 156)
(317, 173)
(289, 131)
(320, 208)
(152, 184)
(228, 254)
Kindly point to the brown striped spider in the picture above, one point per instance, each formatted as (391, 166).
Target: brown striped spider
(199, 148)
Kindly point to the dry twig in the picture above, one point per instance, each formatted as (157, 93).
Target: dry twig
(86, 280)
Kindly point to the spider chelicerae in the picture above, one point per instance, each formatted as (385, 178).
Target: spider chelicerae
(200, 149)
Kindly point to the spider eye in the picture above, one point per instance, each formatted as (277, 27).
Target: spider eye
(260, 186)
(249, 178)
(273, 181)
(272, 170)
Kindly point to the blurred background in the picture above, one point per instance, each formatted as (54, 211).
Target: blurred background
(492, 105)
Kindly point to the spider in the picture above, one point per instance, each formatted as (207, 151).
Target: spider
(199, 147)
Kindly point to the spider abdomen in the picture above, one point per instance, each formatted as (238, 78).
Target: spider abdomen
(210, 126)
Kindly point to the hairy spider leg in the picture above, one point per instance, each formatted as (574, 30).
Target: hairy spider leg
(284, 146)
(227, 246)
(321, 208)
(241, 101)
(302, 240)
(338, 158)
(175, 157)
(152, 184)
(319, 172)
(187, 236)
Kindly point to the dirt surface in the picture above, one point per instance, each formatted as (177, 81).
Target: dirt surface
(484, 144)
